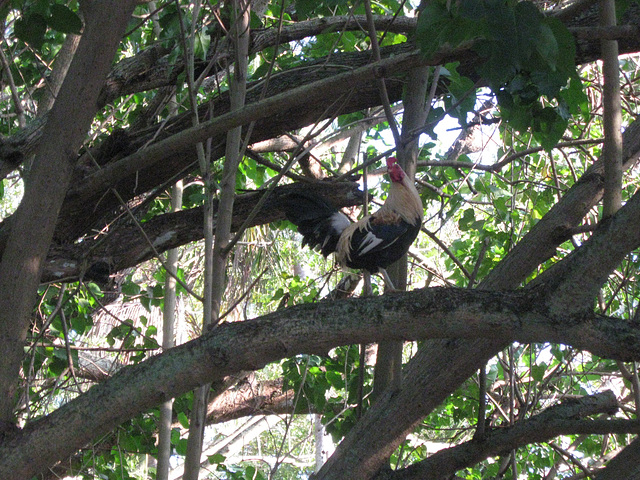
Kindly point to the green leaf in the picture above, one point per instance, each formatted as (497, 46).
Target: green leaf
(547, 46)
(459, 88)
(58, 363)
(250, 472)
(438, 27)
(158, 295)
(130, 288)
(304, 8)
(151, 331)
(255, 22)
(576, 99)
(278, 295)
(528, 21)
(183, 419)
(95, 290)
(64, 20)
(181, 446)
(260, 71)
(566, 62)
(538, 371)
(549, 127)
(335, 379)
(31, 29)
(467, 219)
(175, 436)
(216, 458)
(201, 45)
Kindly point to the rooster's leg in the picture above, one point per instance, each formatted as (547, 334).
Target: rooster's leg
(387, 281)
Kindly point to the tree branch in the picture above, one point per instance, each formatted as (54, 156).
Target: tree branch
(249, 345)
(123, 246)
(624, 465)
(21, 268)
(561, 419)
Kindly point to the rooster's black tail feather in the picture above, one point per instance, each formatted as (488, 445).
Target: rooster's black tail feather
(319, 222)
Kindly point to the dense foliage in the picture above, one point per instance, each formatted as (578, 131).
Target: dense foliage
(514, 124)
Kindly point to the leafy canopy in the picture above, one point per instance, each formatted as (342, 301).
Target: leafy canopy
(527, 59)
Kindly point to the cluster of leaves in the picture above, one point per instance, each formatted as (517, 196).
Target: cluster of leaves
(43, 17)
(235, 472)
(329, 385)
(67, 314)
(527, 59)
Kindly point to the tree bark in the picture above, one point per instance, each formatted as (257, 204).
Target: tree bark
(612, 115)
(388, 371)
(224, 216)
(624, 465)
(168, 328)
(124, 246)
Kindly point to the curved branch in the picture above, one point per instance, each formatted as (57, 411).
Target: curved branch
(150, 68)
(575, 281)
(310, 328)
(623, 465)
(562, 419)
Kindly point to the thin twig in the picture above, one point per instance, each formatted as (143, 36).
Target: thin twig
(154, 250)
(522, 153)
(384, 95)
(22, 122)
(446, 250)
(243, 296)
(481, 255)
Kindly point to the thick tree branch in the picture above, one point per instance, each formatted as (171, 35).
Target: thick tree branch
(150, 68)
(250, 398)
(624, 465)
(580, 276)
(123, 245)
(310, 328)
(35, 219)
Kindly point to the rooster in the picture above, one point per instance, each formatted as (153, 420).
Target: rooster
(374, 242)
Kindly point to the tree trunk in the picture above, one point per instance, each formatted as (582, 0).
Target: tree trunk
(35, 220)
(168, 324)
